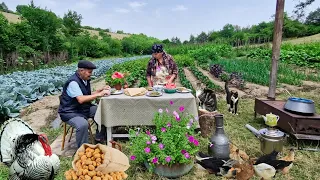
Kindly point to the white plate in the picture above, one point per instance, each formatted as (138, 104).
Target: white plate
(116, 92)
(148, 94)
(184, 91)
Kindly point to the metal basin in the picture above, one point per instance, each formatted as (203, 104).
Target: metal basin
(300, 105)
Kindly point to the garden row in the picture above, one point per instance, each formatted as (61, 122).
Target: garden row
(19, 89)
(255, 69)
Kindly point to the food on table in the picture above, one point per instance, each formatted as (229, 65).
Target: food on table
(87, 164)
(182, 89)
(170, 85)
(154, 93)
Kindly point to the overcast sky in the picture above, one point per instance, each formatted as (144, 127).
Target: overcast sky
(165, 18)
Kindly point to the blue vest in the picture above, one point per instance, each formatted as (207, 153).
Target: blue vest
(70, 107)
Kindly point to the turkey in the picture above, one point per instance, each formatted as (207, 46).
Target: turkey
(27, 154)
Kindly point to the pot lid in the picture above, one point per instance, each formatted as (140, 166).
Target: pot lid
(271, 133)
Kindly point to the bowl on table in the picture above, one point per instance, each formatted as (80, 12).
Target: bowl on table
(157, 88)
(170, 90)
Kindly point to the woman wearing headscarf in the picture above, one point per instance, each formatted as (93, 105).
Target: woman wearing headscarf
(161, 68)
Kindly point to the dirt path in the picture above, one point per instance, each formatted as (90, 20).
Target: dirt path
(45, 110)
(221, 83)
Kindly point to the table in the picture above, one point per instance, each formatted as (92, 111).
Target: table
(123, 110)
(300, 126)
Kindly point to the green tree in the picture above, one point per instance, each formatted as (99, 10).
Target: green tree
(314, 17)
(300, 8)
(202, 37)
(192, 39)
(72, 22)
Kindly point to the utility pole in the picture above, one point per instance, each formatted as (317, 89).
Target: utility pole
(276, 44)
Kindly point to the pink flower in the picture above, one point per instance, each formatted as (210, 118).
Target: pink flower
(147, 150)
(175, 113)
(155, 160)
(161, 146)
(148, 142)
(132, 158)
(153, 138)
(168, 125)
(163, 129)
(196, 142)
(171, 102)
(117, 75)
(183, 151)
(168, 158)
(187, 155)
(181, 108)
(177, 118)
(153, 142)
(196, 118)
(167, 110)
(211, 144)
(160, 110)
(148, 133)
(191, 139)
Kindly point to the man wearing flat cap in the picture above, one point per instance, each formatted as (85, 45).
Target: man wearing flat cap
(75, 102)
(161, 68)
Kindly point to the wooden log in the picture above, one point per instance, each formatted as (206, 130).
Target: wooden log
(277, 37)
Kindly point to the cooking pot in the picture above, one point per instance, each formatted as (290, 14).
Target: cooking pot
(300, 105)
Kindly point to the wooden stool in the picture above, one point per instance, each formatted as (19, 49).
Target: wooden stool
(65, 132)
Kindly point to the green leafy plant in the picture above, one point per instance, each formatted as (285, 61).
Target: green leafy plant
(173, 140)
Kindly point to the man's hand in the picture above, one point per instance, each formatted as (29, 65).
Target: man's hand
(101, 89)
(105, 92)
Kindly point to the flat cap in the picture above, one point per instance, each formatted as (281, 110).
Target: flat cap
(86, 64)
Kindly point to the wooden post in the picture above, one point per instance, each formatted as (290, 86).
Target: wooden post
(276, 44)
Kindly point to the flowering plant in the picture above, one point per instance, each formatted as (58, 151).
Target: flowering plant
(117, 78)
(173, 140)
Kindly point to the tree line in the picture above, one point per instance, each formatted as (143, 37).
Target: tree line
(235, 35)
(42, 38)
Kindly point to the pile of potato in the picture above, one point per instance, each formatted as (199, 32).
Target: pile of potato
(86, 165)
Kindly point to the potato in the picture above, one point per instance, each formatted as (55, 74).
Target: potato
(97, 155)
(93, 158)
(96, 178)
(87, 177)
(74, 177)
(89, 154)
(85, 167)
(88, 162)
(68, 177)
(124, 175)
(92, 173)
(83, 158)
(81, 177)
(89, 149)
(85, 171)
(97, 150)
(99, 173)
(91, 167)
(94, 163)
(79, 172)
(98, 160)
(102, 156)
(98, 164)
(81, 154)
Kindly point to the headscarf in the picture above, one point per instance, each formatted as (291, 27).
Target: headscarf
(157, 48)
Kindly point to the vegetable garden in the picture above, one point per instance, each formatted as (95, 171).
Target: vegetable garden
(23, 88)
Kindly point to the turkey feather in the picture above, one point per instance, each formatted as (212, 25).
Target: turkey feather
(9, 132)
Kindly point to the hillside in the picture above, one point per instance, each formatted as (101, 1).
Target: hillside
(14, 18)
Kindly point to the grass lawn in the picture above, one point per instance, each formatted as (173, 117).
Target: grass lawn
(305, 167)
